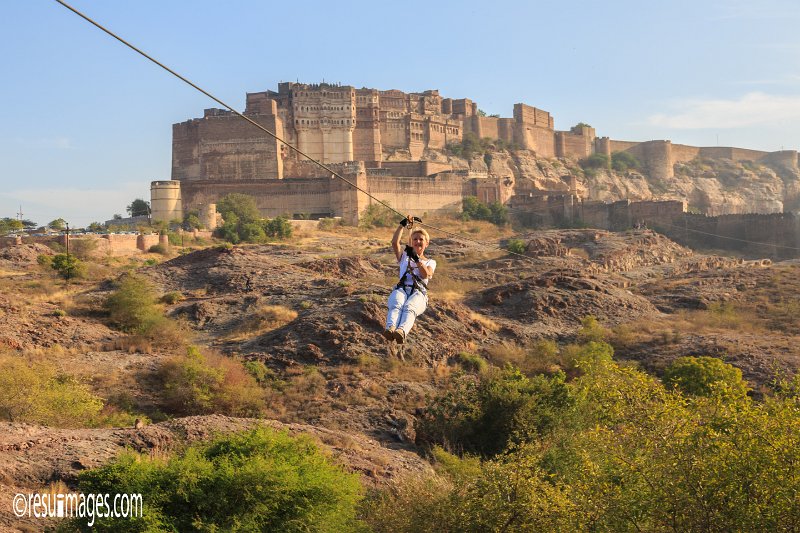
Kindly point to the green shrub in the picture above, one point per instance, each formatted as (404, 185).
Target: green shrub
(622, 161)
(278, 228)
(197, 383)
(238, 229)
(471, 146)
(173, 297)
(378, 216)
(592, 331)
(159, 249)
(516, 246)
(596, 161)
(68, 266)
(132, 306)
(628, 454)
(473, 209)
(260, 480)
(485, 415)
(327, 224)
(699, 376)
(471, 362)
(34, 392)
(509, 493)
(45, 260)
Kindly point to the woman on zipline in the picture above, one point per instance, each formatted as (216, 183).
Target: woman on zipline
(410, 297)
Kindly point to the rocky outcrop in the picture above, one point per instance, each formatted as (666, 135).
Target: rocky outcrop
(710, 186)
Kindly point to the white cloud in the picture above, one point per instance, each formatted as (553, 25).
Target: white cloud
(752, 109)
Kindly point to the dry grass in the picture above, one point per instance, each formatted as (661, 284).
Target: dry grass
(443, 287)
(11, 273)
(485, 321)
(541, 357)
(265, 319)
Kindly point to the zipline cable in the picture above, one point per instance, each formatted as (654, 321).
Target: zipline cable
(265, 130)
(322, 165)
(229, 107)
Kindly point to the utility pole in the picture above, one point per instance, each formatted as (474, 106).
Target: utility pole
(67, 240)
(20, 213)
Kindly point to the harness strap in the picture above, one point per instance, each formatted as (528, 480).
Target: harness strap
(417, 281)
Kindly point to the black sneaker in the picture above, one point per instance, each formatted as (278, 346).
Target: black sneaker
(399, 336)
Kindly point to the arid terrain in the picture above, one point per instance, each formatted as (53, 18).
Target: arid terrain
(311, 312)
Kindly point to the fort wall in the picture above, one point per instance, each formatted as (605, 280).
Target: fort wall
(785, 158)
(418, 195)
(569, 144)
(290, 196)
(223, 146)
(103, 245)
(537, 139)
(415, 168)
(774, 235)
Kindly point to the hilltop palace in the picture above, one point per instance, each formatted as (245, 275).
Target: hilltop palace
(378, 140)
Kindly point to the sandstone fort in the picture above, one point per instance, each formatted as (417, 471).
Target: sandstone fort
(395, 145)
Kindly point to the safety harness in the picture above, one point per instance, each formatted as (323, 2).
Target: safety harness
(417, 282)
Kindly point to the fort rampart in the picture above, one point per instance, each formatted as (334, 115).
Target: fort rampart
(774, 235)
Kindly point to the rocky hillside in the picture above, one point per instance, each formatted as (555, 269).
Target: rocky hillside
(710, 186)
(311, 313)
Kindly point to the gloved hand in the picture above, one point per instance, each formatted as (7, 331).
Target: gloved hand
(409, 220)
(412, 254)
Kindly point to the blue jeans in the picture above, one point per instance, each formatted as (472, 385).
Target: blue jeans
(405, 305)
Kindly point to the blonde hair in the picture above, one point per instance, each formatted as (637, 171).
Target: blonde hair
(421, 231)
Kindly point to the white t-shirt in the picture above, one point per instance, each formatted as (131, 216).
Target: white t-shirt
(404, 260)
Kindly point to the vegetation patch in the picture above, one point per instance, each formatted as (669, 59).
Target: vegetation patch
(260, 480)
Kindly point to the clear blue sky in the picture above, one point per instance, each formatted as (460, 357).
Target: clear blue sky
(86, 123)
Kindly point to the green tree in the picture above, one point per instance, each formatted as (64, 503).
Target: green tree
(96, 227)
(29, 224)
(68, 266)
(699, 376)
(626, 454)
(138, 208)
(243, 206)
(579, 126)
(191, 220)
(260, 480)
(10, 225)
(58, 224)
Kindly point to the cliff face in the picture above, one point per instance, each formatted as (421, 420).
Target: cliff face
(710, 186)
